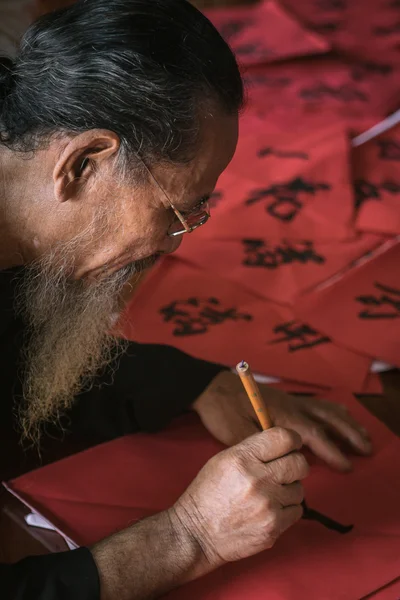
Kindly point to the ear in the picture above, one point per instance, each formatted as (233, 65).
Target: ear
(80, 159)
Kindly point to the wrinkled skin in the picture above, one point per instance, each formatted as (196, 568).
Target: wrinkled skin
(246, 497)
(227, 413)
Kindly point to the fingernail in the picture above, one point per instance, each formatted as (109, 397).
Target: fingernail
(348, 467)
(367, 448)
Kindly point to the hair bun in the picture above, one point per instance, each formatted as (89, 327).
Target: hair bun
(6, 76)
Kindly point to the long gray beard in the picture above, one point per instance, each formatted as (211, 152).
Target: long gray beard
(68, 339)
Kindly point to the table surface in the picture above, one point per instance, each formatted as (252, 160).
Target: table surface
(18, 540)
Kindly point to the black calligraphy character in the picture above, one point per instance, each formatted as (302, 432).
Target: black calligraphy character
(365, 190)
(328, 27)
(254, 48)
(306, 336)
(215, 198)
(361, 71)
(259, 255)
(389, 299)
(390, 186)
(230, 29)
(247, 49)
(302, 252)
(254, 79)
(282, 153)
(186, 320)
(194, 316)
(385, 30)
(343, 93)
(313, 515)
(286, 204)
(329, 5)
(216, 316)
(389, 149)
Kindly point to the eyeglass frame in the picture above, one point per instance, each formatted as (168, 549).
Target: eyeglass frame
(178, 214)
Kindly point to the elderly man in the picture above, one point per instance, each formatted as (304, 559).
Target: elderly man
(116, 120)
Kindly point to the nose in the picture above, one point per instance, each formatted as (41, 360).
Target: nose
(170, 244)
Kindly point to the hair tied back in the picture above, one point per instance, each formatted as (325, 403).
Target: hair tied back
(6, 77)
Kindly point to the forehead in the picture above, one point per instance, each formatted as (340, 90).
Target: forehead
(219, 134)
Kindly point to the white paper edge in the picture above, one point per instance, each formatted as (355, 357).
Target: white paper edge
(70, 543)
(377, 129)
(36, 520)
(377, 366)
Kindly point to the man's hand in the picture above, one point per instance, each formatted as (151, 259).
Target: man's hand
(227, 413)
(245, 497)
(239, 504)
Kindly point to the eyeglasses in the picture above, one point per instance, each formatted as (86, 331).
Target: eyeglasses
(188, 222)
(184, 222)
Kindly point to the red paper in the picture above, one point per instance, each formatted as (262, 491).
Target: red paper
(266, 153)
(329, 87)
(372, 386)
(372, 31)
(214, 319)
(265, 33)
(264, 194)
(361, 310)
(294, 387)
(367, 30)
(389, 592)
(377, 183)
(89, 496)
(277, 271)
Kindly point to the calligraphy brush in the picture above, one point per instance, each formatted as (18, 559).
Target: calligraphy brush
(264, 418)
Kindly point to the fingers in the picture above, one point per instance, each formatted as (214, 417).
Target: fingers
(316, 439)
(342, 423)
(291, 494)
(271, 444)
(288, 469)
(289, 516)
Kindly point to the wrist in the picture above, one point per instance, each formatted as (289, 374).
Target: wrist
(193, 559)
(193, 541)
(224, 384)
(148, 559)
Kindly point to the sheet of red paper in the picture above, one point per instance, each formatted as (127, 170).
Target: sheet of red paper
(214, 319)
(372, 386)
(377, 183)
(389, 592)
(364, 29)
(318, 14)
(265, 33)
(277, 270)
(89, 496)
(372, 31)
(266, 153)
(296, 187)
(286, 93)
(294, 387)
(362, 310)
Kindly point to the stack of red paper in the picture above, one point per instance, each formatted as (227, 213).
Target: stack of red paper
(296, 271)
(108, 488)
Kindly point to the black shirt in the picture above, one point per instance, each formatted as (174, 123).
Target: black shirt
(152, 384)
